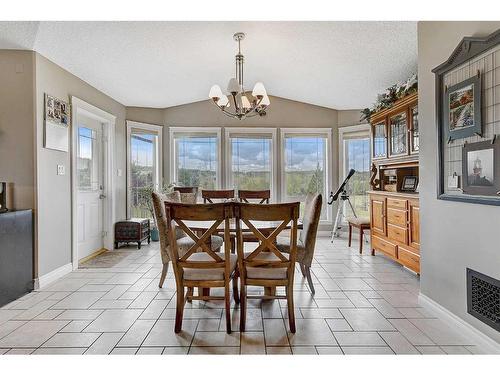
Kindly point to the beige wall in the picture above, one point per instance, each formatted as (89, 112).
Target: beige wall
(350, 117)
(453, 235)
(17, 140)
(155, 116)
(54, 192)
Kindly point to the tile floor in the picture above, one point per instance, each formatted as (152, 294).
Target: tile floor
(363, 305)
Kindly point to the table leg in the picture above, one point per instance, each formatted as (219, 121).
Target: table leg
(270, 290)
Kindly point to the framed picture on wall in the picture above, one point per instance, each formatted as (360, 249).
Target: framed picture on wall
(463, 109)
(57, 122)
(481, 168)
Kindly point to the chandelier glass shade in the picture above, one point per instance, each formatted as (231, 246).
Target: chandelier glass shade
(237, 103)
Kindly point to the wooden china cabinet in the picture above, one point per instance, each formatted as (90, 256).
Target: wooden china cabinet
(394, 209)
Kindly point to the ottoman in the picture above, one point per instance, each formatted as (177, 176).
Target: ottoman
(132, 230)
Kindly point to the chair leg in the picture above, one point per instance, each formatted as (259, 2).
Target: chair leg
(302, 269)
(309, 279)
(190, 292)
(163, 275)
(350, 234)
(361, 240)
(233, 244)
(243, 306)
(291, 311)
(179, 312)
(236, 294)
(227, 300)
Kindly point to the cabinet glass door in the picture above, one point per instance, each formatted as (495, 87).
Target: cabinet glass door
(398, 133)
(414, 130)
(379, 140)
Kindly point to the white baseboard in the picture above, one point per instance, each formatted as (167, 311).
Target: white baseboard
(485, 342)
(44, 280)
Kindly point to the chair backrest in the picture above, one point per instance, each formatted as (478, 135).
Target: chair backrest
(186, 189)
(161, 219)
(189, 194)
(262, 195)
(209, 195)
(310, 222)
(219, 213)
(283, 214)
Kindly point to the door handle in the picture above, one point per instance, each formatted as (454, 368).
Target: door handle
(102, 196)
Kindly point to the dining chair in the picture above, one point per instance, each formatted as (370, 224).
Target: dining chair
(208, 195)
(253, 196)
(266, 266)
(307, 238)
(263, 195)
(183, 241)
(205, 269)
(187, 192)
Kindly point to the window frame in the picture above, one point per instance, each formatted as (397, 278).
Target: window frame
(158, 129)
(355, 132)
(190, 129)
(228, 131)
(328, 162)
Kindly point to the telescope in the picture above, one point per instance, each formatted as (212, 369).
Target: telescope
(341, 190)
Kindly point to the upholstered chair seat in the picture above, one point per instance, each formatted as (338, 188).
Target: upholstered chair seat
(307, 237)
(183, 241)
(266, 273)
(204, 273)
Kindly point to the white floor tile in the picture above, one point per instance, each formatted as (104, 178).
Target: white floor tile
(114, 321)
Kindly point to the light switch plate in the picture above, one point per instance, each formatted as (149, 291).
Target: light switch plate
(61, 170)
(119, 172)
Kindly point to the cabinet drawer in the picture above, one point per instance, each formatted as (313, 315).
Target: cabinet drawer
(397, 203)
(397, 233)
(397, 217)
(384, 246)
(410, 260)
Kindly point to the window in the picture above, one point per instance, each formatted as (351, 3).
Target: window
(305, 166)
(355, 154)
(195, 157)
(88, 160)
(144, 169)
(250, 158)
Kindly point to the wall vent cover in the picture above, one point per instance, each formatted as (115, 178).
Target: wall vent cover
(483, 298)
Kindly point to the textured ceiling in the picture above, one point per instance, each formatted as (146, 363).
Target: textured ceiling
(341, 65)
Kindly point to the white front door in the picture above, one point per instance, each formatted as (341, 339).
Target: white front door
(90, 199)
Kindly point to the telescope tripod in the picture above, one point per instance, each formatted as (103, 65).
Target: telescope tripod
(341, 214)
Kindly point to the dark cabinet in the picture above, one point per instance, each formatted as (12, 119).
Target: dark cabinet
(16, 255)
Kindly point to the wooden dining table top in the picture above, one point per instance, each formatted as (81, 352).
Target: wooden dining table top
(261, 225)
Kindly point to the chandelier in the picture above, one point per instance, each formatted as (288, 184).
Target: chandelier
(243, 106)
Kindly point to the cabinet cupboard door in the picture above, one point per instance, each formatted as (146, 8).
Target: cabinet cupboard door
(378, 215)
(398, 134)
(414, 224)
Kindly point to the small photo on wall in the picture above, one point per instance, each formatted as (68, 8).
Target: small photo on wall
(481, 168)
(463, 109)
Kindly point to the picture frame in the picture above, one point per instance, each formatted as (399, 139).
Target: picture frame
(462, 109)
(57, 121)
(468, 49)
(481, 168)
(409, 184)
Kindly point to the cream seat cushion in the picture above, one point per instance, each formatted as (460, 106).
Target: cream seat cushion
(263, 272)
(197, 274)
(358, 220)
(283, 245)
